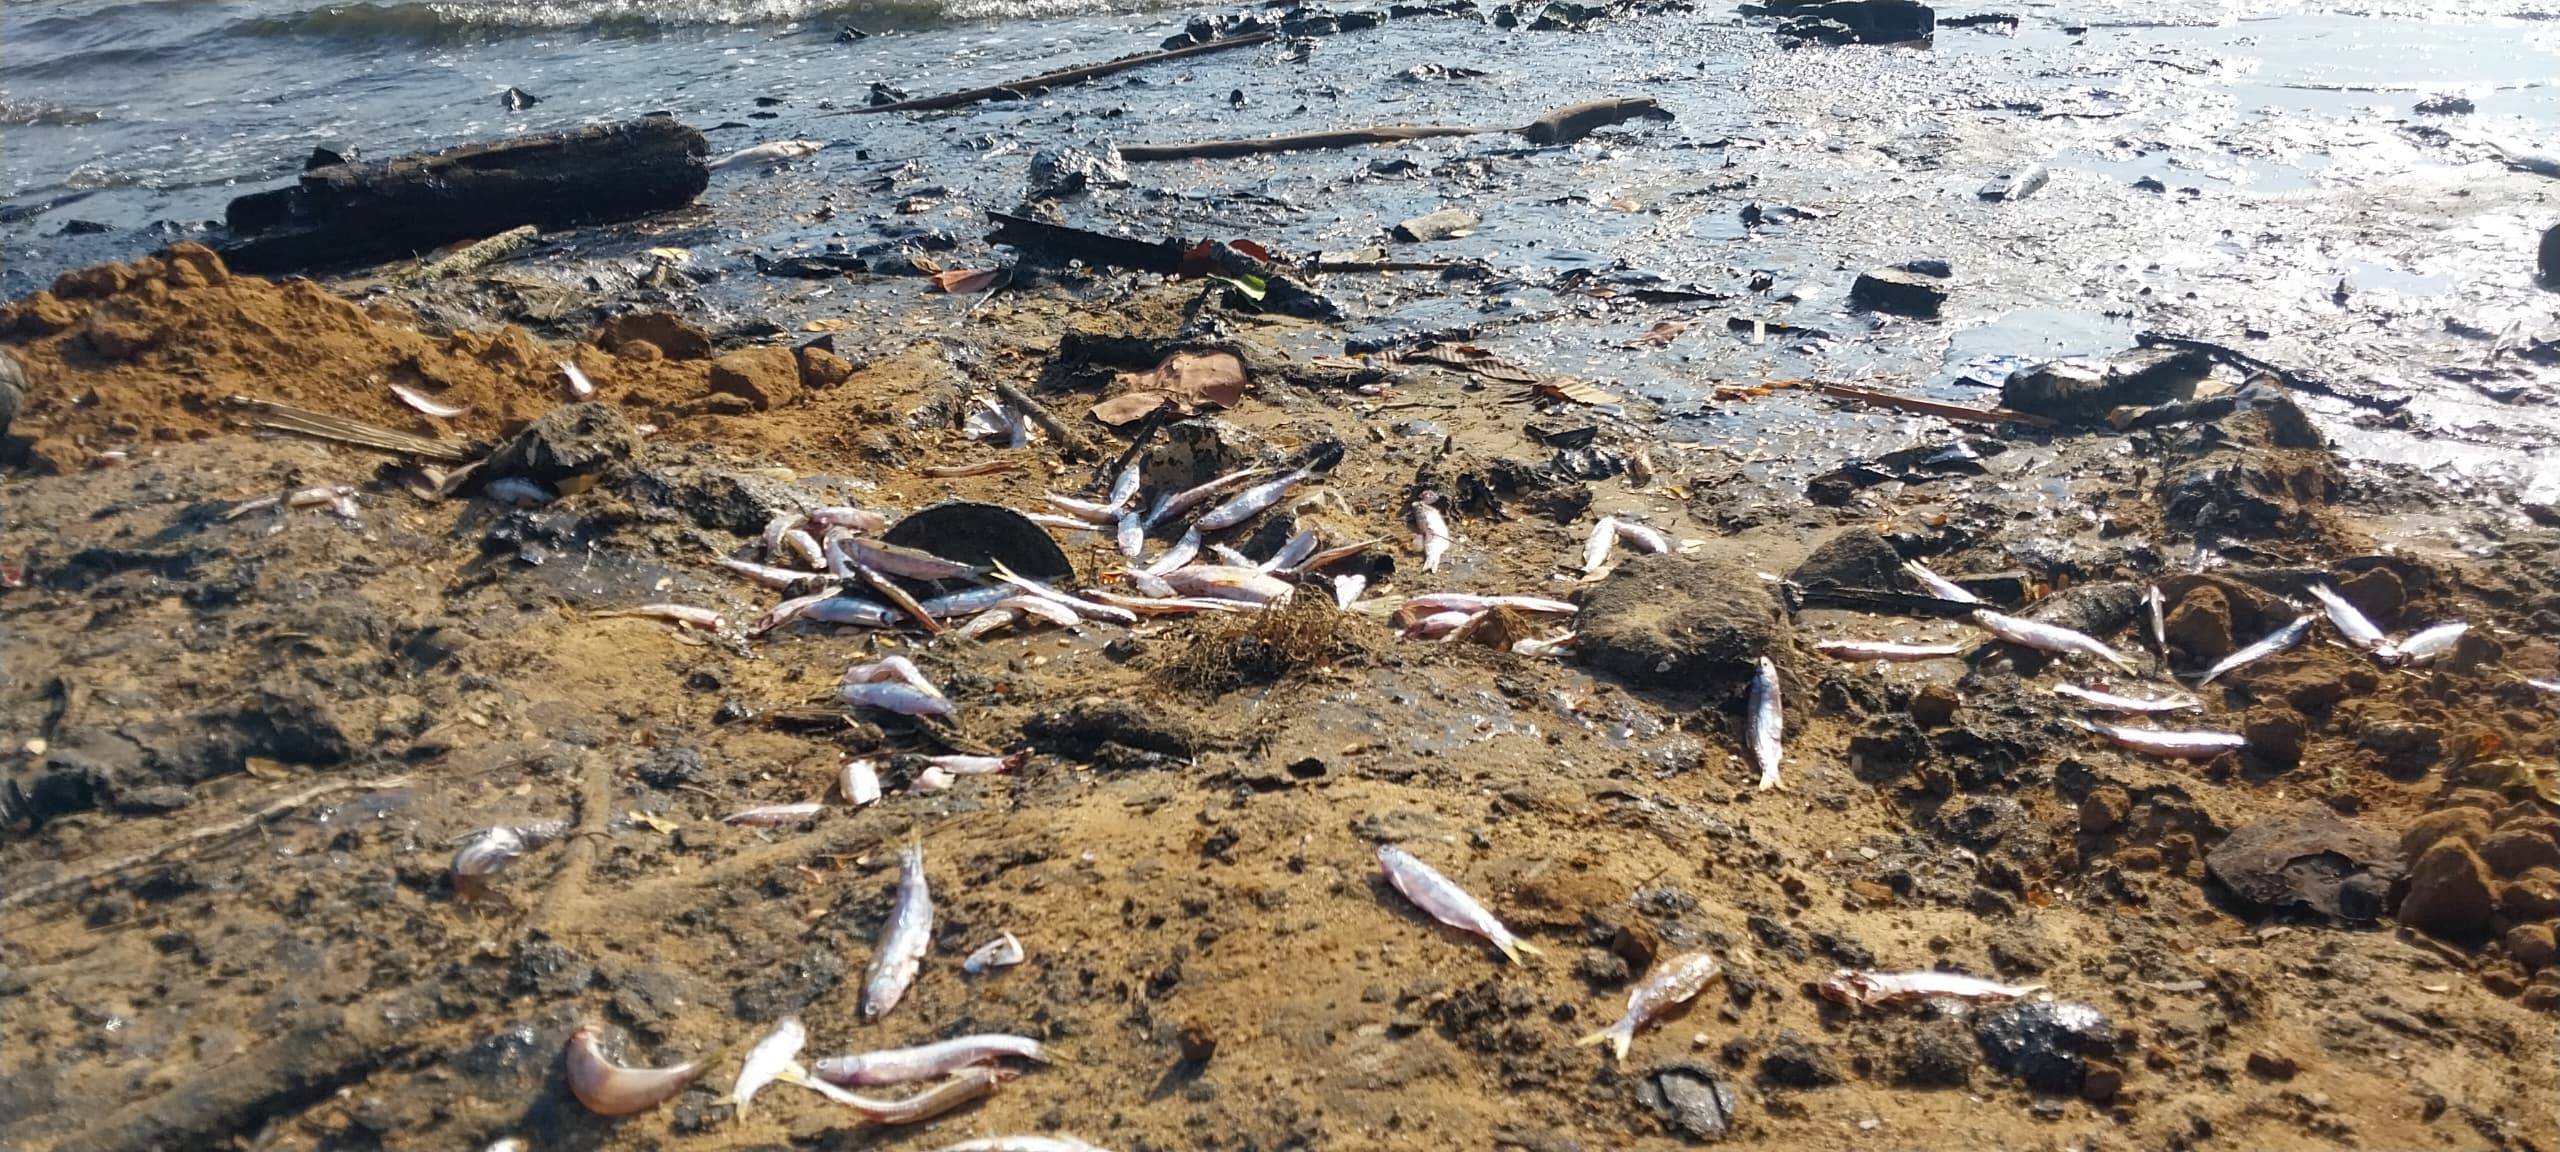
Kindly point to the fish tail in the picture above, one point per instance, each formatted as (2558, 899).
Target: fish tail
(1617, 1036)
(1515, 946)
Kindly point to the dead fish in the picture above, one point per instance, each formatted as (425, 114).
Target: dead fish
(2045, 637)
(978, 765)
(518, 492)
(841, 609)
(1431, 534)
(1091, 511)
(904, 939)
(420, 401)
(1672, 985)
(1170, 604)
(1552, 646)
(1013, 610)
(1182, 553)
(2424, 646)
(2277, 641)
(765, 574)
(2159, 619)
(490, 851)
(1062, 523)
(773, 814)
(2111, 702)
(1189, 498)
(1347, 589)
(926, 1061)
(1443, 625)
(1862, 989)
(971, 1084)
(580, 388)
(685, 614)
(778, 524)
(2551, 686)
(1228, 582)
(1250, 502)
(1294, 552)
(861, 782)
(1002, 952)
(863, 520)
(2349, 622)
(773, 153)
(1058, 1143)
(931, 779)
(1447, 903)
(1855, 650)
(903, 699)
(891, 669)
(609, 1089)
(1131, 536)
(793, 609)
(1939, 586)
(799, 544)
(1768, 724)
(1595, 547)
(1640, 538)
(1124, 487)
(899, 598)
(2161, 742)
(967, 602)
(1329, 557)
(1233, 558)
(1085, 608)
(772, 1056)
(1474, 602)
(908, 562)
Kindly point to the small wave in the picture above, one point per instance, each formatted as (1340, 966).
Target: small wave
(39, 113)
(448, 22)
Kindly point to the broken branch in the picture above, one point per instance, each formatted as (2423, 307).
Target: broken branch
(1055, 79)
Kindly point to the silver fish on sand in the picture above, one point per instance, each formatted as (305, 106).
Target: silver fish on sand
(1252, 500)
(1430, 534)
(1002, 952)
(969, 1084)
(2424, 646)
(1938, 586)
(772, 1056)
(2349, 622)
(1446, 902)
(1124, 487)
(2136, 705)
(1054, 1143)
(773, 814)
(892, 696)
(773, 153)
(1595, 547)
(2277, 641)
(1856, 650)
(1182, 553)
(1767, 726)
(1190, 498)
(1641, 538)
(2159, 618)
(580, 388)
(2162, 742)
(1671, 985)
(2045, 637)
(924, 1061)
(1131, 536)
(903, 940)
(1863, 989)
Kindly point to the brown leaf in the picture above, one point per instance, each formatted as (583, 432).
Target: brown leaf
(966, 283)
(1661, 334)
(1576, 391)
(1128, 407)
(1470, 358)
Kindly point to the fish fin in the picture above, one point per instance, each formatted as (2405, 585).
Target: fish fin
(1524, 946)
(1615, 1037)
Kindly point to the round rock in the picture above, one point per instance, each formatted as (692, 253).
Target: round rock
(1672, 621)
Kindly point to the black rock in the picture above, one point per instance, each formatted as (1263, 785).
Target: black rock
(571, 440)
(2447, 105)
(1856, 558)
(1793, 1062)
(83, 228)
(884, 94)
(848, 34)
(328, 154)
(1057, 172)
(1857, 22)
(2150, 184)
(1940, 1055)
(1692, 1099)
(152, 800)
(13, 379)
(2550, 274)
(517, 99)
(2045, 1045)
(1681, 622)
(2084, 391)
(672, 767)
(1930, 266)
(2316, 861)
(1899, 292)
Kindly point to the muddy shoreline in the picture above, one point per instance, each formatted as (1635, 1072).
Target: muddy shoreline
(241, 743)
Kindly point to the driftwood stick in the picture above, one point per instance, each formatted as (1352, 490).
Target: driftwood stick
(1055, 79)
(1875, 399)
(37, 892)
(1294, 142)
(1071, 443)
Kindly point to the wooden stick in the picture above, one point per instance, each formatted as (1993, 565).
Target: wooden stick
(197, 836)
(1294, 142)
(1930, 407)
(1071, 443)
(339, 429)
(1055, 79)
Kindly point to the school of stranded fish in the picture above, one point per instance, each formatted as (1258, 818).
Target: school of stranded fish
(818, 557)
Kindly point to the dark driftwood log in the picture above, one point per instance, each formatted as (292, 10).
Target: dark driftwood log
(346, 215)
(1059, 242)
(1016, 89)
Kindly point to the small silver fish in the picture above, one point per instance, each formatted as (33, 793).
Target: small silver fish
(2136, 705)
(773, 814)
(1431, 534)
(2349, 622)
(1861, 989)
(907, 562)
(788, 611)
(1229, 582)
(1189, 498)
(767, 1061)
(838, 609)
(891, 669)
(1002, 952)
(1673, 984)
(580, 388)
(1443, 625)
(899, 598)
(2045, 637)
(978, 765)
(1768, 724)
(2160, 742)
(903, 940)
(1183, 552)
(2424, 646)
(773, 153)
(967, 603)
(780, 523)
(1234, 559)
(518, 491)
(800, 545)
(1056, 1143)
(1855, 650)
(903, 699)
(1131, 536)
(2277, 641)
(427, 404)
(1250, 502)
(1474, 602)
(1595, 547)
(1124, 487)
(1641, 538)
(1446, 902)
(1294, 552)
(863, 520)
(967, 1085)
(1552, 646)
(2551, 686)
(925, 1061)
(1939, 586)
(764, 574)
(685, 614)
(1083, 607)
(2159, 618)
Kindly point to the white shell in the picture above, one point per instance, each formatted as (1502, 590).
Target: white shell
(1002, 952)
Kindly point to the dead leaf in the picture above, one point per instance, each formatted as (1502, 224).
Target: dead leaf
(1577, 391)
(265, 769)
(960, 283)
(1190, 381)
(658, 824)
(1252, 249)
(1661, 334)
(1470, 358)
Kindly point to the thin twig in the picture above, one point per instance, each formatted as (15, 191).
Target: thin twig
(196, 836)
